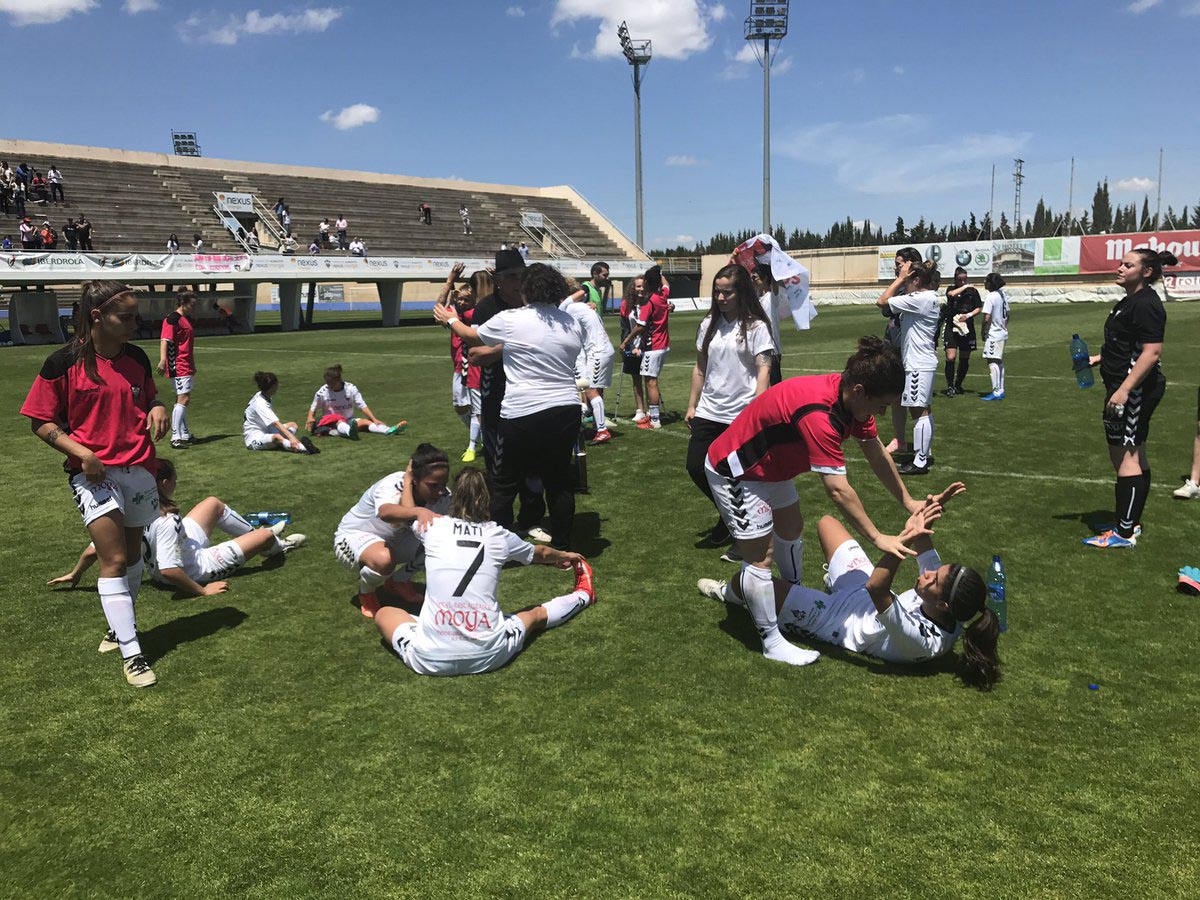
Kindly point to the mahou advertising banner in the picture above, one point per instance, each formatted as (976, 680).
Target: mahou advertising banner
(1100, 254)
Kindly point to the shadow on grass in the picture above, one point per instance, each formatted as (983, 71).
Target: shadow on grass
(586, 535)
(210, 439)
(1092, 520)
(162, 639)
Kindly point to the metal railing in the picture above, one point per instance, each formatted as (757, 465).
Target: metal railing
(555, 242)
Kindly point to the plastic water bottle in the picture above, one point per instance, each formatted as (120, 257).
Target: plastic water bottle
(267, 519)
(996, 600)
(1079, 362)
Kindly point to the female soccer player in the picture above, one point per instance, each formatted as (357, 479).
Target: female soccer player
(333, 405)
(913, 295)
(261, 428)
(461, 629)
(1134, 385)
(373, 539)
(799, 426)
(962, 306)
(95, 402)
(593, 368)
(631, 346)
(178, 551)
(177, 361)
(653, 328)
(466, 380)
(891, 334)
(995, 321)
(860, 611)
(734, 352)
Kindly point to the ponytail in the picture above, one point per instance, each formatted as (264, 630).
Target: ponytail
(980, 662)
(877, 367)
(166, 471)
(927, 274)
(1154, 260)
(94, 296)
(265, 380)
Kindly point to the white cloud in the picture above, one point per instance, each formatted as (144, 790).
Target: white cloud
(1140, 6)
(133, 7)
(1136, 184)
(43, 12)
(515, 12)
(897, 155)
(212, 28)
(747, 59)
(352, 116)
(684, 239)
(678, 28)
(682, 160)
(717, 12)
(781, 65)
(899, 70)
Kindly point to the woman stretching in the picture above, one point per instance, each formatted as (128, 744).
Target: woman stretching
(799, 426)
(261, 428)
(333, 405)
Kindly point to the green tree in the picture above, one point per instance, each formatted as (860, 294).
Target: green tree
(1102, 211)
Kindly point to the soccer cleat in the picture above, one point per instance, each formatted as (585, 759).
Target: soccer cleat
(468, 456)
(950, 392)
(584, 579)
(1189, 491)
(309, 446)
(645, 425)
(1110, 540)
(398, 428)
(1189, 581)
(368, 605)
(179, 444)
(712, 588)
(603, 436)
(353, 435)
(913, 469)
(108, 643)
(732, 555)
(293, 542)
(539, 534)
(138, 672)
(612, 422)
(639, 416)
(278, 527)
(1137, 531)
(993, 396)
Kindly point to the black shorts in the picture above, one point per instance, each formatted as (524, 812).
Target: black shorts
(1132, 428)
(630, 364)
(964, 343)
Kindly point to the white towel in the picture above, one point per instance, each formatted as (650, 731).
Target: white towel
(792, 277)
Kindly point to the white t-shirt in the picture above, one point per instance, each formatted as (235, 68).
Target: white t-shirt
(541, 345)
(341, 403)
(595, 339)
(996, 306)
(166, 544)
(364, 515)
(770, 304)
(731, 375)
(461, 617)
(259, 416)
(920, 313)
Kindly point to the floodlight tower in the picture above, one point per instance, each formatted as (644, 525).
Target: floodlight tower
(637, 53)
(767, 21)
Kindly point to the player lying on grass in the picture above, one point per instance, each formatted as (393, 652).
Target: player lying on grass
(860, 612)
(261, 428)
(332, 410)
(799, 426)
(374, 539)
(461, 629)
(177, 551)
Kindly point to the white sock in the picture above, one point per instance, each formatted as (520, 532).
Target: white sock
(994, 371)
(177, 421)
(598, 412)
(476, 428)
(187, 429)
(759, 591)
(343, 428)
(232, 522)
(1000, 366)
(922, 440)
(368, 580)
(789, 556)
(117, 604)
(563, 609)
(133, 575)
(465, 418)
(377, 428)
(654, 414)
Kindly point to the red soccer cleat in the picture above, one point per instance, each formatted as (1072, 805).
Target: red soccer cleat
(603, 436)
(368, 604)
(584, 580)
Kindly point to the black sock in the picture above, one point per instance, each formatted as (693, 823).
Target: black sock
(964, 363)
(1129, 491)
(949, 373)
(1142, 496)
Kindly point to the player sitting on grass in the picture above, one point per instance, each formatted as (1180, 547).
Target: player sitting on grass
(177, 550)
(860, 612)
(261, 428)
(332, 410)
(374, 539)
(461, 629)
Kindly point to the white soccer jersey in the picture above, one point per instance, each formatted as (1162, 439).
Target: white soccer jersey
(732, 374)
(259, 416)
(596, 344)
(461, 617)
(996, 306)
(167, 545)
(341, 403)
(770, 304)
(364, 515)
(920, 315)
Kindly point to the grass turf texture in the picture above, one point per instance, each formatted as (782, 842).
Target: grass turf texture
(646, 749)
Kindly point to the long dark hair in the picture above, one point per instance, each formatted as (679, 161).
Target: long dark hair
(471, 499)
(95, 296)
(652, 280)
(748, 308)
(166, 472)
(980, 662)
(426, 458)
(1154, 260)
(994, 281)
(876, 365)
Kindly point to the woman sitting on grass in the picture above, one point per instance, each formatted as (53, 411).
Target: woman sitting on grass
(261, 428)
(333, 405)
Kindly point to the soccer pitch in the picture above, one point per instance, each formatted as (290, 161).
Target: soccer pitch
(646, 749)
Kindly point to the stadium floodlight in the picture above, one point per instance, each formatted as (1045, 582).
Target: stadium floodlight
(185, 143)
(767, 22)
(637, 54)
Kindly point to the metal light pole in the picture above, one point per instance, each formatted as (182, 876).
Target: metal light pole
(767, 21)
(637, 53)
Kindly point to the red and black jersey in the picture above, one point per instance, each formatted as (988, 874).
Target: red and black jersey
(796, 426)
(109, 417)
(177, 331)
(654, 316)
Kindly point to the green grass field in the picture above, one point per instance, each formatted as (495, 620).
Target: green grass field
(646, 749)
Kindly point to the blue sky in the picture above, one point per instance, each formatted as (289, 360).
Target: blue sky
(880, 108)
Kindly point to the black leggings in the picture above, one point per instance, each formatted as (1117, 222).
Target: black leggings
(541, 444)
(704, 432)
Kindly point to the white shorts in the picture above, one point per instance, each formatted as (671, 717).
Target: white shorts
(261, 440)
(849, 567)
(459, 392)
(214, 563)
(918, 389)
(349, 546)
(600, 372)
(129, 490)
(746, 506)
(183, 384)
(512, 644)
(993, 349)
(652, 362)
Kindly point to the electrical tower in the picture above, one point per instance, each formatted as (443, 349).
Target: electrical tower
(1017, 179)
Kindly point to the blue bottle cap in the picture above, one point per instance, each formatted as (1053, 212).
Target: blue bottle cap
(1093, 687)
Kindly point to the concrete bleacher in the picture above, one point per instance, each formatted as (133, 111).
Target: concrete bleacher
(135, 205)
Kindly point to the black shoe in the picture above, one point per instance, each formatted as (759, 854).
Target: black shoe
(309, 446)
(179, 444)
(911, 469)
(949, 392)
(719, 536)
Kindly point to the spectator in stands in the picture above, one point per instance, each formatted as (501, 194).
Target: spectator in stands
(426, 212)
(197, 244)
(5, 196)
(6, 172)
(70, 235)
(465, 215)
(314, 249)
(56, 184)
(28, 234)
(341, 225)
(524, 251)
(323, 232)
(23, 173)
(287, 247)
(39, 188)
(18, 197)
(83, 230)
(357, 247)
(6, 244)
(49, 236)
(279, 207)
(172, 243)
(287, 221)
(252, 240)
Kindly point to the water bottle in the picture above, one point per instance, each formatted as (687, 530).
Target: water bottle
(1079, 362)
(996, 600)
(267, 519)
